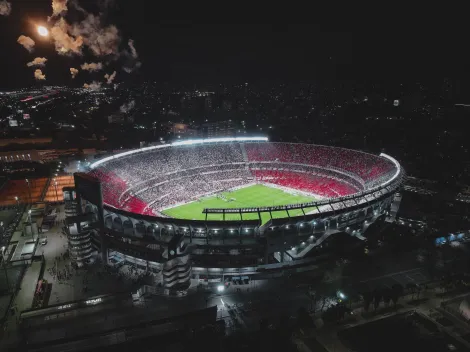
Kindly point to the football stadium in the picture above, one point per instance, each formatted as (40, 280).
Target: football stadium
(226, 208)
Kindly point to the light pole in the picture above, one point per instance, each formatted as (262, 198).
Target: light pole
(17, 202)
(55, 185)
(5, 268)
(30, 223)
(29, 190)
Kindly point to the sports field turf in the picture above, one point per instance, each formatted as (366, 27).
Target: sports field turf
(252, 196)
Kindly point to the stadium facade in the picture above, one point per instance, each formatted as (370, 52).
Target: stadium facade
(118, 206)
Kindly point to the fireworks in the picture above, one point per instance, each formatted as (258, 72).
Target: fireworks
(43, 31)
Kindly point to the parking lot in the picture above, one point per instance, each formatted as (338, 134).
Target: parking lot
(414, 276)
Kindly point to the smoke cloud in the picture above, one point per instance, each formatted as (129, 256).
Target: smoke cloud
(76, 5)
(133, 51)
(110, 78)
(5, 8)
(27, 42)
(39, 61)
(39, 75)
(102, 41)
(59, 7)
(92, 86)
(73, 72)
(134, 67)
(125, 108)
(92, 67)
(131, 56)
(64, 43)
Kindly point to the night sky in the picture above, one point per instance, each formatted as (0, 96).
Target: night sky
(188, 52)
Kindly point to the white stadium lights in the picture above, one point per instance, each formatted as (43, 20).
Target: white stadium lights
(221, 140)
(175, 144)
(397, 165)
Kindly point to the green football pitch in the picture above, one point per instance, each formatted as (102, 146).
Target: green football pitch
(252, 196)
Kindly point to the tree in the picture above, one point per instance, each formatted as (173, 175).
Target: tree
(367, 297)
(324, 301)
(411, 287)
(303, 318)
(387, 295)
(335, 313)
(377, 297)
(419, 289)
(313, 300)
(396, 293)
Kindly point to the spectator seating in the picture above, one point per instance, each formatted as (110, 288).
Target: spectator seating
(162, 177)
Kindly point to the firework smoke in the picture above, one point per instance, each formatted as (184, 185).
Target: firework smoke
(73, 72)
(64, 43)
(92, 67)
(76, 5)
(132, 47)
(134, 67)
(59, 7)
(131, 56)
(39, 75)
(5, 8)
(110, 78)
(125, 108)
(39, 61)
(102, 41)
(27, 42)
(92, 86)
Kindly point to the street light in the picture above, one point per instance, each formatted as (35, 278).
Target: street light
(5, 268)
(56, 195)
(29, 189)
(17, 201)
(341, 295)
(30, 223)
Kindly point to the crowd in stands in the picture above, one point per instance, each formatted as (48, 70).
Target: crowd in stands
(141, 167)
(184, 189)
(366, 166)
(163, 177)
(112, 187)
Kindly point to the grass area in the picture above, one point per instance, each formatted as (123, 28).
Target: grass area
(252, 196)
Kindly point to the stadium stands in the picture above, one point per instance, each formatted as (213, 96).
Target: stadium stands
(162, 177)
(367, 166)
(166, 160)
(113, 186)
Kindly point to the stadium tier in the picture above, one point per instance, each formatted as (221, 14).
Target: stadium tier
(165, 176)
(233, 205)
